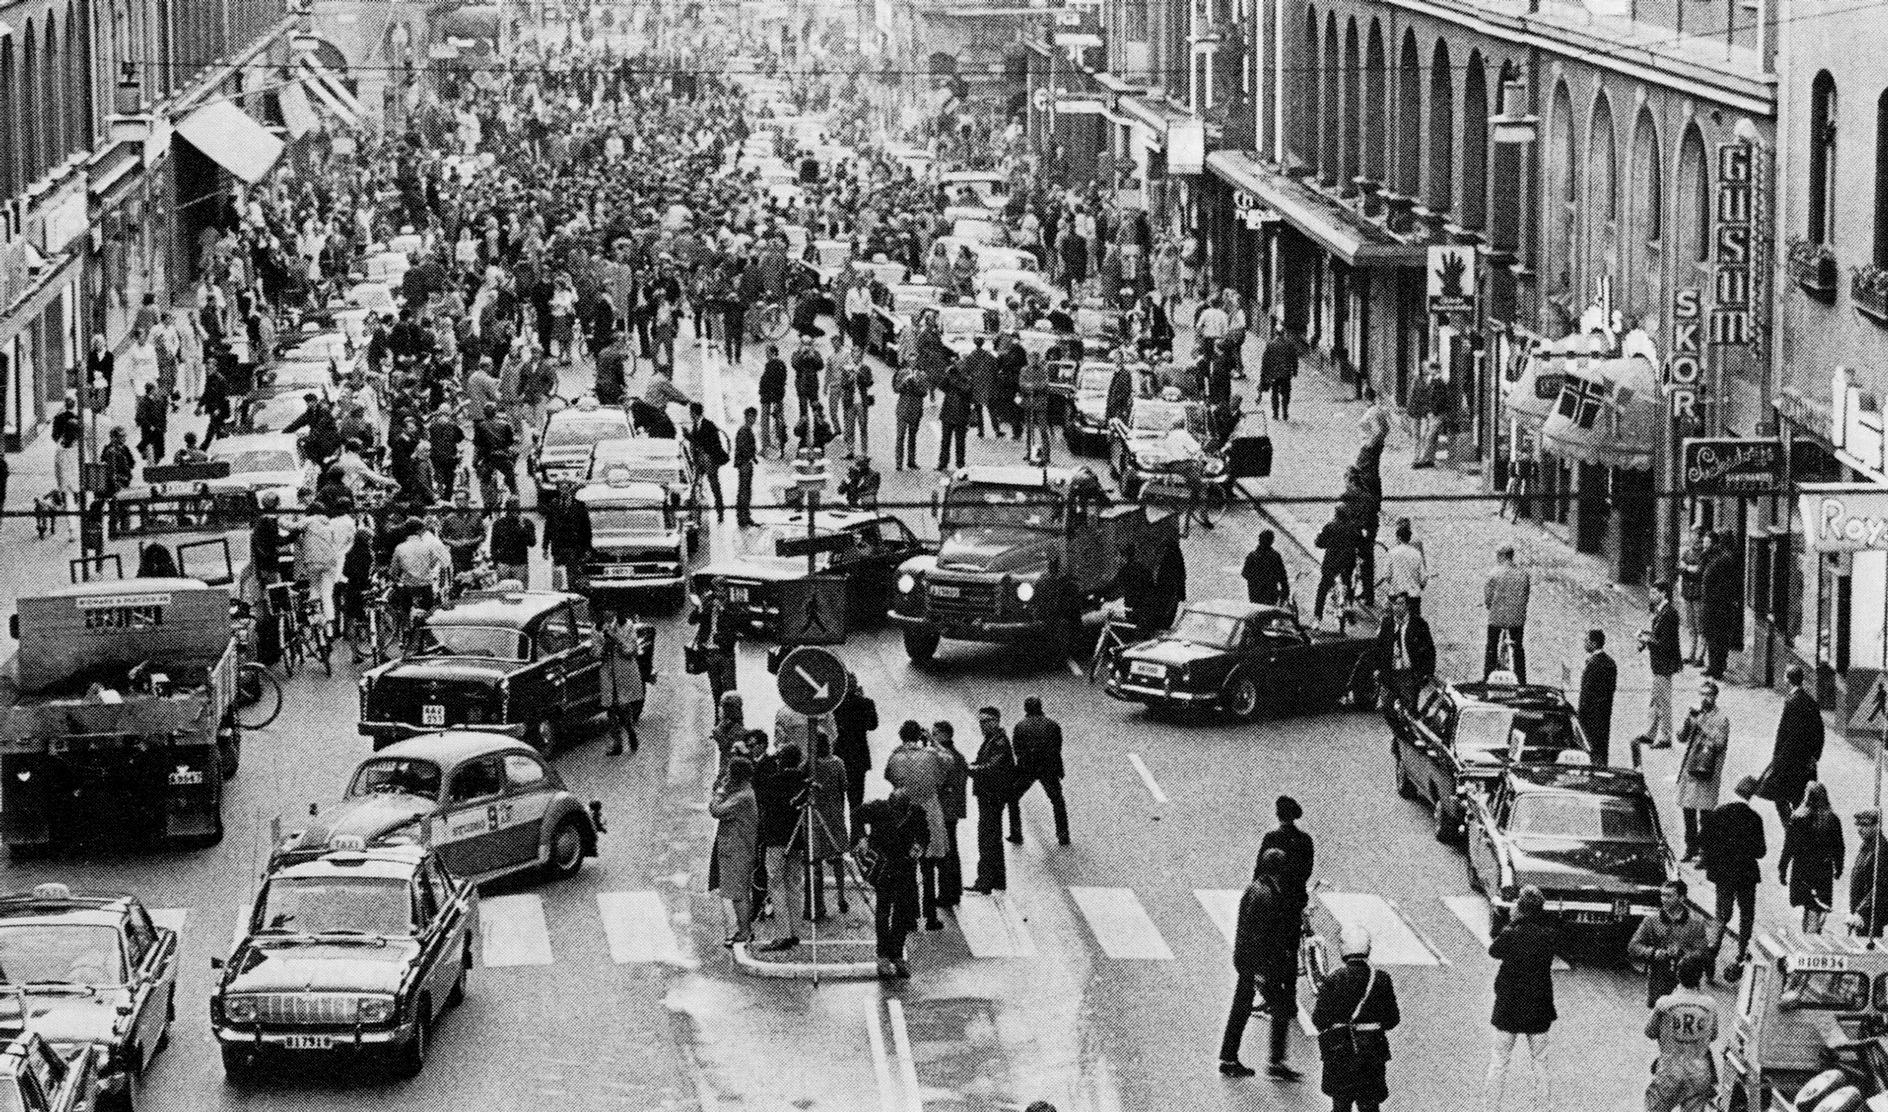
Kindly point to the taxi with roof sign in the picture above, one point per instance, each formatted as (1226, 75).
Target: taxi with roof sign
(562, 453)
(638, 538)
(662, 460)
(356, 952)
(88, 970)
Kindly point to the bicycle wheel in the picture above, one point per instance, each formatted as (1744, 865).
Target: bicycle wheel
(774, 321)
(322, 646)
(258, 696)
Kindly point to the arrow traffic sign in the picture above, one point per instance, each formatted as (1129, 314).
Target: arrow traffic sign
(812, 681)
(1871, 713)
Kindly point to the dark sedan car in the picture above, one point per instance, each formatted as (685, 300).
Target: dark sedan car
(864, 547)
(522, 663)
(1461, 735)
(1587, 837)
(1244, 658)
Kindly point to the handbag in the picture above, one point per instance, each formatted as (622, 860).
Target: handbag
(871, 862)
(694, 660)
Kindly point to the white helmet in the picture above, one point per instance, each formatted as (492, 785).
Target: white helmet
(1353, 942)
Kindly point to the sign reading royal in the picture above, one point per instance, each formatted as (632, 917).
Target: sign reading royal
(1841, 518)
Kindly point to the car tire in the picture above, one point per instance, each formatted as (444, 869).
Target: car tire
(457, 996)
(1444, 828)
(566, 855)
(1242, 698)
(1405, 787)
(542, 736)
(920, 645)
(410, 1057)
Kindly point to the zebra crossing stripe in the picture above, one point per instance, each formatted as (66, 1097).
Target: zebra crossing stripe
(1472, 913)
(513, 932)
(993, 928)
(1120, 924)
(637, 927)
(1222, 907)
(1392, 940)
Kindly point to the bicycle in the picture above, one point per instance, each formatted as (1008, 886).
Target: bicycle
(770, 319)
(258, 695)
(374, 636)
(300, 628)
(1117, 633)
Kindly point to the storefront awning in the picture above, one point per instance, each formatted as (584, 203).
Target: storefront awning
(1336, 227)
(232, 140)
(1154, 114)
(330, 93)
(297, 115)
(1537, 391)
(114, 172)
(1608, 413)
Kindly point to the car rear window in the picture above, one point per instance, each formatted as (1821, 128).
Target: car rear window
(1607, 818)
(1483, 729)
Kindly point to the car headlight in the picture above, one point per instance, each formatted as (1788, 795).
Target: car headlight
(1025, 591)
(374, 1009)
(907, 583)
(239, 1009)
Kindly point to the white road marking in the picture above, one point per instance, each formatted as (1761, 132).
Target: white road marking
(1222, 907)
(1392, 940)
(1121, 925)
(1472, 912)
(992, 928)
(637, 927)
(907, 1062)
(514, 931)
(881, 1065)
(1147, 778)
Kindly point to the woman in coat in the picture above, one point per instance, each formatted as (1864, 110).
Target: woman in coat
(1813, 852)
(730, 730)
(623, 689)
(896, 830)
(1524, 996)
(737, 834)
(918, 771)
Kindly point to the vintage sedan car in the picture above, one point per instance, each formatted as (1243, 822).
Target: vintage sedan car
(1459, 736)
(258, 463)
(890, 321)
(1085, 419)
(1159, 437)
(639, 541)
(36, 1077)
(94, 973)
(987, 188)
(354, 953)
(652, 459)
(1587, 837)
(562, 454)
(1245, 659)
(864, 547)
(487, 804)
(521, 663)
(959, 326)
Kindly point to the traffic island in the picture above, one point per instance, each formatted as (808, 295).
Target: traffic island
(847, 959)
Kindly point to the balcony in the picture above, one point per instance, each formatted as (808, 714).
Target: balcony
(1868, 291)
(1813, 268)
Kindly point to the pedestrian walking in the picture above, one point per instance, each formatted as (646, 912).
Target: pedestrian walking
(824, 830)
(1868, 877)
(1265, 964)
(1599, 679)
(779, 786)
(909, 384)
(1706, 737)
(1355, 1012)
(1667, 937)
(1691, 590)
(567, 537)
(1812, 857)
(1798, 748)
(919, 772)
(992, 779)
(737, 838)
(746, 457)
(623, 685)
(854, 719)
(1685, 1023)
(953, 796)
(1264, 573)
(1437, 407)
(715, 638)
(1722, 605)
(1278, 366)
(808, 365)
(708, 450)
(1524, 998)
(1408, 567)
(1506, 597)
(1660, 644)
(1294, 874)
(1037, 742)
(1733, 852)
(1406, 654)
(510, 542)
(895, 834)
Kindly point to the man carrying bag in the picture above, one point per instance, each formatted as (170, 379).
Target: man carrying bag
(1355, 1012)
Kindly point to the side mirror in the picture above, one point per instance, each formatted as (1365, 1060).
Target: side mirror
(216, 963)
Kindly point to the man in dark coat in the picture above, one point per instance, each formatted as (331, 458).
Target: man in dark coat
(1733, 849)
(567, 536)
(854, 719)
(1406, 653)
(953, 417)
(1278, 365)
(1294, 875)
(1723, 596)
(1264, 573)
(952, 796)
(1356, 998)
(1265, 963)
(1037, 741)
(1798, 748)
(992, 780)
(1868, 877)
(1599, 678)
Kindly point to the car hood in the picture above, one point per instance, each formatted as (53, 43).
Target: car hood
(640, 541)
(1153, 450)
(994, 549)
(1562, 863)
(367, 816)
(288, 965)
(477, 668)
(59, 1018)
(1092, 405)
(763, 569)
(1174, 654)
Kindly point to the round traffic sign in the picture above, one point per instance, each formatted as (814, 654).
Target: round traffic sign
(1040, 99)
(812, 681)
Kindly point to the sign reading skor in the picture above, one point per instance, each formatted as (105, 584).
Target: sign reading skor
(1846, 519)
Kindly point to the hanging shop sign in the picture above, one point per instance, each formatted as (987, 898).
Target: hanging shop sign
(1186, 146)
(1842, 518)
(1451, 280)
(1733, 247)
(1731, 465)
(1684, 370)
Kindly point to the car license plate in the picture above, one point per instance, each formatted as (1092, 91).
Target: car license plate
(1622, 908)
(1143, 668)
(433, 714)
(308, 1042)
(737, 594)
(185, 776)
(945, 592)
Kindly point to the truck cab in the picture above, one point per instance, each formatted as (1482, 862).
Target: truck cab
(1808, 1002)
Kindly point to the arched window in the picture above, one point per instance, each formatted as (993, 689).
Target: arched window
(1474, 206)
(1353, 107)
(1822, 159)
(1562, 194)
(1693, 208)
(1305, 134)
(1328, 156)
(1601, 205)
(1409, 118)
(30, 163)
(1644, 196)
(1376, 105)
(1881, 180)
(1441, 193)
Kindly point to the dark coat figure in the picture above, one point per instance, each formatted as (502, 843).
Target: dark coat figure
(1524, 984)
(1599, 679)
(1868, 889)
(1357, 989)
(1264, 961)
(1418, 648)
(1264, 573)
(1723, 595)
(993, 782)
(854, 719)
(1037, 743)
(897, 829)
(1812, 858)
(1798, 748)
(1294, 876)
(1733, 844)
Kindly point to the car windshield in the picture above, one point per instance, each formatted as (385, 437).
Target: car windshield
(468, 640)
(1215, 631)
(403, 775)
(60, 953)
(252, 461)
(1483, 729)
(570, 433)
(378, 907)
(1013, 507)
(1152, 415)
(626, 521)
(1094, 380)
(1583, 817)
(952, 319)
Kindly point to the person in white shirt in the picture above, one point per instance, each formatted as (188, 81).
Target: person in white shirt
(1374, 425)
(1209, 325)
(1408, 568)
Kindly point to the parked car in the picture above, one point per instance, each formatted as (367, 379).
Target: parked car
(874, 545)
(355, 953)
(37, 1077)
(1144, 450)
(1587, 837)
(487, 804)
(1459, 736)
(94, 973)
(521, 663)
(562, 454)
(652, 459)
(1085, 419)
(1245, 659)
